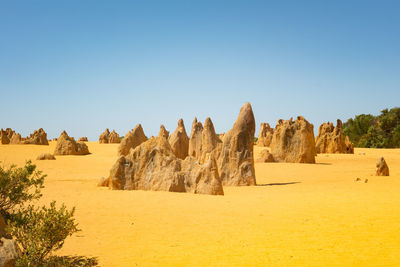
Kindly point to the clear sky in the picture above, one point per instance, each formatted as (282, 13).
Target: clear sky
(86, 65)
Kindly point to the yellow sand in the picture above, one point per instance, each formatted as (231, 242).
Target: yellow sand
(299, 215)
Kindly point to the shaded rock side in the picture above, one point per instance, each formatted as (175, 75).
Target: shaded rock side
(293, 141)
(196, 138)
(4, 137)
(265, 135)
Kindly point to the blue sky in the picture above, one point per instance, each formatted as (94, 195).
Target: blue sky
(87, 65)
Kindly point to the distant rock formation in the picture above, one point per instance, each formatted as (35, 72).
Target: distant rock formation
(16, 139)
(154, 166)
(45, 156)
(265, 135)
(163, 132)
(68, 146)
(265, 156)
(4, 137)
(131, 140)
(330, 139)
(103, 138)
(293, 141)
(113, 138)
(382, 168)
(9, 132)
(236, 162)
(349, 145)
(38, 137)
(83, 139)
(179, 141)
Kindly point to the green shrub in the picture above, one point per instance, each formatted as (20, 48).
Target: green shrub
(19, 185)
(38, 230)
(43, 230)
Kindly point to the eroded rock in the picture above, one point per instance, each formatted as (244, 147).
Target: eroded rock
(236, 162)
(293, 141)
(179, 141)
(131, 140)
(68, 146)
(382, 169)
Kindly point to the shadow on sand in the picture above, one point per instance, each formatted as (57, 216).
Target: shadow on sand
(271, 184)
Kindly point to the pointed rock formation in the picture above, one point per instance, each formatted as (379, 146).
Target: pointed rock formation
(382, 168)
(153, 166)
(330, 139)
(131, 140)
(179, 141)
(236, 162)
(265, 135)
(68, 146)
(196, 138)
(103, 138)
(163, 132)
(293, 141)
(210, 141)
(113, 138)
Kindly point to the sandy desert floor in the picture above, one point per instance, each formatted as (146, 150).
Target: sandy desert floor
(298, 215)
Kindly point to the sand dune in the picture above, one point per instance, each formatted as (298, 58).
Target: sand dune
(298, 215)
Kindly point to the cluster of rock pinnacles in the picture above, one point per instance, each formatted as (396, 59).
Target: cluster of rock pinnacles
(175, 163)
(109, 138)
(293, 141)
(9, 136)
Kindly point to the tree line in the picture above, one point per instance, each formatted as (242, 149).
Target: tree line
(382, 131)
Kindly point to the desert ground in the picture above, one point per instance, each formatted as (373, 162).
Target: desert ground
(297, 215)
